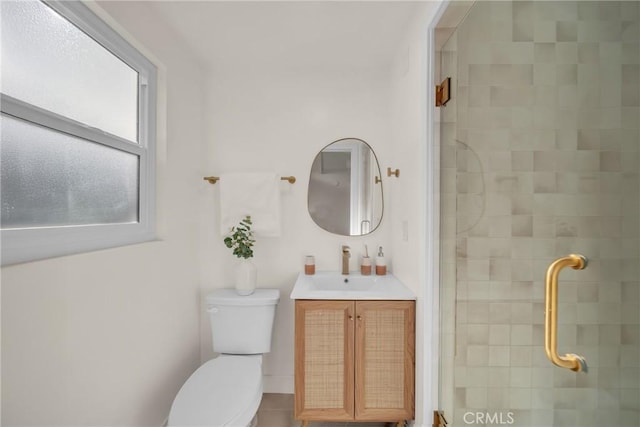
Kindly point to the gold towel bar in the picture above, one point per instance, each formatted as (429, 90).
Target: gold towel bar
(569, 361)
(214, 179)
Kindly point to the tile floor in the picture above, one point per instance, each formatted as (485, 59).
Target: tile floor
(276, 410)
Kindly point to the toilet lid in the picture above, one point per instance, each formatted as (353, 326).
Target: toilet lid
(219, 393)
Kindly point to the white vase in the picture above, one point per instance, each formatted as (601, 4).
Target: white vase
(246, 277)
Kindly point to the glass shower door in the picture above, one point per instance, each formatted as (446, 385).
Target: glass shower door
(539, 149)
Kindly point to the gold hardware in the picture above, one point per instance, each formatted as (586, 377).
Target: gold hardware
(214, 179)
(443, 92)
(291, 179)
(345, 260)
(395, 173)
(570, 361)
(438, 419)
(378, 180)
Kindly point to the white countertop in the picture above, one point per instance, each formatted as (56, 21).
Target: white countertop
(331, 285)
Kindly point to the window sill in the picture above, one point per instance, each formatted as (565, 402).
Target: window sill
(27, 245)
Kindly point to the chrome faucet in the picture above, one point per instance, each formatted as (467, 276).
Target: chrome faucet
(345, 259)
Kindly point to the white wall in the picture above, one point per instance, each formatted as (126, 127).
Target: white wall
(108, 337)
(409, 192)
(278, 120)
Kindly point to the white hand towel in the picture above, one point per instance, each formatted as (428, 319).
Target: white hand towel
(254, 194)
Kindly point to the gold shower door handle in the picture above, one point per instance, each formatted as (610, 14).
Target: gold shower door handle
(569, 361)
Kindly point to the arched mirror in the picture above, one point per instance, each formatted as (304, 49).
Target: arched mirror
(345, 188)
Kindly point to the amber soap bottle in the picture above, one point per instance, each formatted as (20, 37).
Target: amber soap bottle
(381, 263)
(309, 265)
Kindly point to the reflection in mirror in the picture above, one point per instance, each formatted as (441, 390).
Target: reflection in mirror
(345, 189)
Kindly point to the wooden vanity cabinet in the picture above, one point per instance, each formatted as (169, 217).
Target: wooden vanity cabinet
(354, 360)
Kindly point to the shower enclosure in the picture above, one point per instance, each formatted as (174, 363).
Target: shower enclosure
(539, 166)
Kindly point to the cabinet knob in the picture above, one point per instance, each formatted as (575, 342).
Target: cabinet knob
(350, 317)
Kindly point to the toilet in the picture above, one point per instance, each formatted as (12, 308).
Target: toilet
(227, 390)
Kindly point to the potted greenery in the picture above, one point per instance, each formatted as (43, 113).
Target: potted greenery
(241, 243)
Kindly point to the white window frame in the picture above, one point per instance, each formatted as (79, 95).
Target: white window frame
(30, 244)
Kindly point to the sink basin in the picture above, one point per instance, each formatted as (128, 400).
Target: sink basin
(333, 282)
(336, 286)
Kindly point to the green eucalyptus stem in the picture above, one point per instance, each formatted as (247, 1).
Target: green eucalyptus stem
(241, 240)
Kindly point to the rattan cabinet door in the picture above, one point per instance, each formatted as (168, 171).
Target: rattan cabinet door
(324, 356)
(385, 360)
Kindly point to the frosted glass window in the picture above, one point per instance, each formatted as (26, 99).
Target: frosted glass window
(50, 63)
(53, 179)
(77, 133)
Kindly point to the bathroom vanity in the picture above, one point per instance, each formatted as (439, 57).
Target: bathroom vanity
(354, 348)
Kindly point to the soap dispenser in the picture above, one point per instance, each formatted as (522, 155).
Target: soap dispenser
(365, 267)
(381, 263)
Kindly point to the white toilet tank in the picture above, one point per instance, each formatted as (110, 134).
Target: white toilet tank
(242, 324)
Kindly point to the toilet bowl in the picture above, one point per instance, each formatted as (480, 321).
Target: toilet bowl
(225, 391)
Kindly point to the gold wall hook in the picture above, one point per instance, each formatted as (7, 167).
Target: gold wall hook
(395, 172)
(570, 361)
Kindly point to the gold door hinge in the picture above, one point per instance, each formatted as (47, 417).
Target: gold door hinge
(438, 419)
(443, 92)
